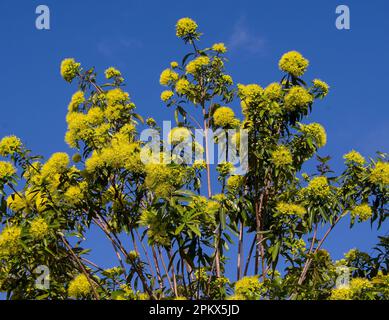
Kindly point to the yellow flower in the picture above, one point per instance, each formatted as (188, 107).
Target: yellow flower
(321, 86)
(354, 157)
(9, 145)
(380, 173)
(273, 91)
(195, 65)
(227, 79)
(318, 187)
(224, 117)
(249, 94)
(186, 27)
(6, 170)
(290, 209)
(75, 194)
(234, 182)
(199, 164)
(360, 285)
(294, 63)
(363, 211)
(95, 116)
(39, 228)
(178, 134)
(58, 163)
(69, 69)
(167, 77)
(297, 97)
(341, 293)
(281, 156)
(77, 99)
(79, 287)
(16, 203)
(315, 131)
(183, 86)
(174, 64)
(166, 95)
(163, 180)
(10, 240)
(249, 287)
(219, 47)
(112, 72)
(117, 96)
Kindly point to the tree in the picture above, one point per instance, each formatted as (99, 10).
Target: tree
(169, 231)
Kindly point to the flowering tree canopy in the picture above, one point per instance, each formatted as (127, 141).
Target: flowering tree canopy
(157, 206)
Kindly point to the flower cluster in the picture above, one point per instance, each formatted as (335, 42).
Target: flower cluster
(316, 132)
(6, 170)
(162, 179)
(9, 146)
(39, 228)
(167, 77)
(318, 187)
(224, 117)
(354, 157)
(219, 48)
(79, 287)
(178, 134)
(196, 65)
(249, 288)
(69, 69)
(58, 163)
(297, 97)
(183, 86)
(186, 27)
(281, 156)
(321, 86)
(294, 63)
(235, 182)
(10, 240)
(273, 91)
(111, 72)
(380, 173)
(290, 209)
(362, 211)
(166, 95)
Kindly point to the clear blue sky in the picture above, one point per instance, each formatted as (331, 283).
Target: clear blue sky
(138, 37)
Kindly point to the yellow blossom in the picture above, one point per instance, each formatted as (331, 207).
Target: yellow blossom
(167, 77)
(39, 228)
(69, 69)
(294, 63)
(281, 156)
(380, 173)
(363, 211)
(318, 187)
(290, 209)
(112, 72)
(183, 86)
(10, 240)
(77, 99)
(234, 182)
(58, 163)
(166, 95)
(9, 145)
(354, 157)
(249, 287)
(321, 86)
(79, 287)
(297, 97)
(273, 91)
(219, 47)
(6, 170)
(315, 131)
(195, 65)
(224, 117)
(186, 27)
(178, 134)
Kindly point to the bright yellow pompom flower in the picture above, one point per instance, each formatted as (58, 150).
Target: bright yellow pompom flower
(380, 173)
(186, 27)
(69, 69)
(294, 63)
(79, 287)
(39, 228)
(224, 117)
(282, 156)
(9, 145)
(6, 170)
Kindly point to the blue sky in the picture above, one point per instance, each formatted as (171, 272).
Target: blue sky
(138, 38)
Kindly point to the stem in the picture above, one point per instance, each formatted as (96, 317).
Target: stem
(165, 269)
(240, 251)
(249, 256)
(173, 272)
(160, 281)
